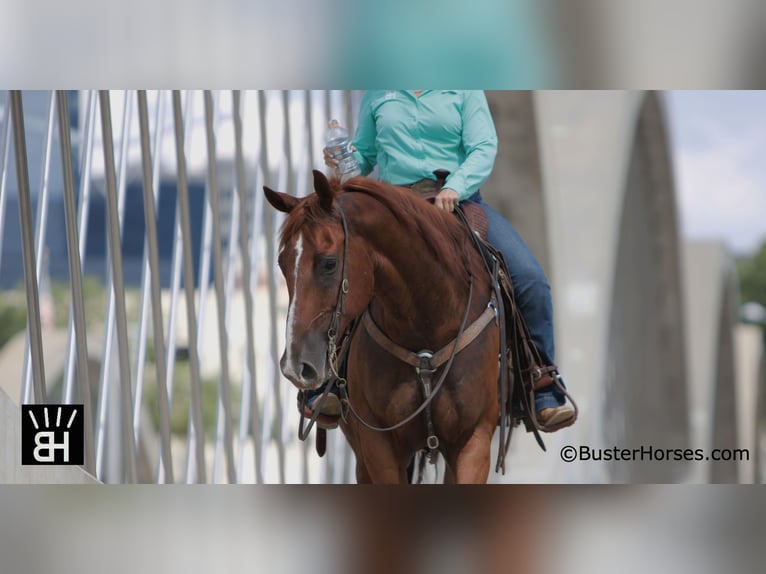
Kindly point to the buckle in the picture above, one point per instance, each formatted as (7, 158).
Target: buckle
(425, 363)
(491, 305)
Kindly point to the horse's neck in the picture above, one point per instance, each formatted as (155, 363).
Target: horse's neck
(417, 297)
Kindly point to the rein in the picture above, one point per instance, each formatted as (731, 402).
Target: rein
(421, 355)
(426, 363)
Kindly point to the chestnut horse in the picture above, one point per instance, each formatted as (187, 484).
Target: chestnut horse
(413, 269)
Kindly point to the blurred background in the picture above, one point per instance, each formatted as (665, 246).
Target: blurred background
(644, 207)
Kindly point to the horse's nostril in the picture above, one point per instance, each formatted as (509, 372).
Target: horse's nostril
(308, 373)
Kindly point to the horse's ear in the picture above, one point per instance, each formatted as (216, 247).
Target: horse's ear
(281, 201)
(324, 191)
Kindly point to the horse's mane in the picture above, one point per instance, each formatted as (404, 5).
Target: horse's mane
(442, 232)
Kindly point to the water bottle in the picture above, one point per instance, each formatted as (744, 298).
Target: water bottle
(339, 146)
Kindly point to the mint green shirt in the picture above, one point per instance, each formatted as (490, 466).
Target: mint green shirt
(408, 137)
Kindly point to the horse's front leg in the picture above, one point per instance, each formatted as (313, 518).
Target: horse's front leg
(362, 474)
(377, 463)
(473, 460)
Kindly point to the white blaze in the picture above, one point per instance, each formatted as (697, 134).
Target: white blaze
(291, 311)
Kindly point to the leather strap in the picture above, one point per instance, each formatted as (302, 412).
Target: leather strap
(437, 387)
(541, 377)
(492, 264)
(441, 356)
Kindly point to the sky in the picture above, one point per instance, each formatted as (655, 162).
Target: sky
(719, 149)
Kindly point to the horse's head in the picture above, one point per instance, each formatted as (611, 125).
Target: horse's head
(311, 258)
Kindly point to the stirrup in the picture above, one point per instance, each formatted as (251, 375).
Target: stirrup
(561, 419)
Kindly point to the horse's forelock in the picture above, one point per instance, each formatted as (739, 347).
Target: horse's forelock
(308, 212)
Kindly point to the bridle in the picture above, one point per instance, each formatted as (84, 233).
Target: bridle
(332, 336)
(340, 306)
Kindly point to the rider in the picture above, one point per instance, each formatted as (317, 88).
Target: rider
(409, 134)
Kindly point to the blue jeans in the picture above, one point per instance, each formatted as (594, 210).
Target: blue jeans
(533, 293)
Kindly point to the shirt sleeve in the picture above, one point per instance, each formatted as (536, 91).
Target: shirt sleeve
(480, 145)
(366, 153)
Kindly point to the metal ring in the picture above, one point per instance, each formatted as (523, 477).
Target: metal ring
(433, 442)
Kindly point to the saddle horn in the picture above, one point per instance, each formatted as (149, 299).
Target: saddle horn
(441, 176)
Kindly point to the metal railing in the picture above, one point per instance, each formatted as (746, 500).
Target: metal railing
(250, 138)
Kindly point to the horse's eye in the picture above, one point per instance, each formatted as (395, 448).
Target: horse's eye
(328, 265)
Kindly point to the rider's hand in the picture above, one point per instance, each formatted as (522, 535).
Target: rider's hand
(331, 162)
(446, 199)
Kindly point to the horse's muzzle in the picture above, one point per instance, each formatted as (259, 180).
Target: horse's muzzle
(305, 371)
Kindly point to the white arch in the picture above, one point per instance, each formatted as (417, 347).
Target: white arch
(599, 152)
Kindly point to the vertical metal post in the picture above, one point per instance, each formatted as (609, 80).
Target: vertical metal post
(255, 256)
(75, 275)
(284, 389)
(203, 271)
(244, 244)
(188, 263)
(269, 232)
(115, 252)
(27, 246)
(42, 201)
(105, 383)
(5, 150)
(308, 120)
(347, 109)
(41, 226)
(230, 297)
(206, 245)
(152, 253)
(175, 282)
(327, 106)
(143, 316)
(82, 226)
(223, 342)
(200, 295)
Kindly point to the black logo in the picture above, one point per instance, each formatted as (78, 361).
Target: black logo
(52, 434)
